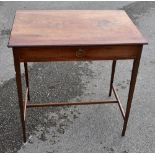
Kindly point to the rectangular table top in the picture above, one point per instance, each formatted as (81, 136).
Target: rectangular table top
(73, 27)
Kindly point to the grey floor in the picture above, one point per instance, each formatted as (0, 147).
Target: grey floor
(95, 128)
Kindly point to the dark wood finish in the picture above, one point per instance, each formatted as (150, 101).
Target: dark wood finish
(131, 89)
(27, 79)
(20, 96)
(39, 36)
(25, 102)
(73, 27)
(36, 54)
(70, 103)
(112, 76)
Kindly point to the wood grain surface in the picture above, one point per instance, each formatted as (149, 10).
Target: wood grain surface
(73, 27)
(74, 53)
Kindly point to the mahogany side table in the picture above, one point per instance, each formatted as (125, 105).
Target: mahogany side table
(74, 35)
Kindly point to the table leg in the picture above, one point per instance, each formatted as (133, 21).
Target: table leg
(20, 96)
(27, 79)
(131, 92)
(112, 76)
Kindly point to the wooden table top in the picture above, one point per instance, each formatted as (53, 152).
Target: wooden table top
(73, 27)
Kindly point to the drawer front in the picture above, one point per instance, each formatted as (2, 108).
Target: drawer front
(77, 53)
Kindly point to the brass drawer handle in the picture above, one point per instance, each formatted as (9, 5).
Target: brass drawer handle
(80, 53)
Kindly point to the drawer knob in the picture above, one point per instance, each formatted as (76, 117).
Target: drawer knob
(80, 53)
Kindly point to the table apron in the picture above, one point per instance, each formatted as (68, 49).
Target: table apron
(76, 53)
